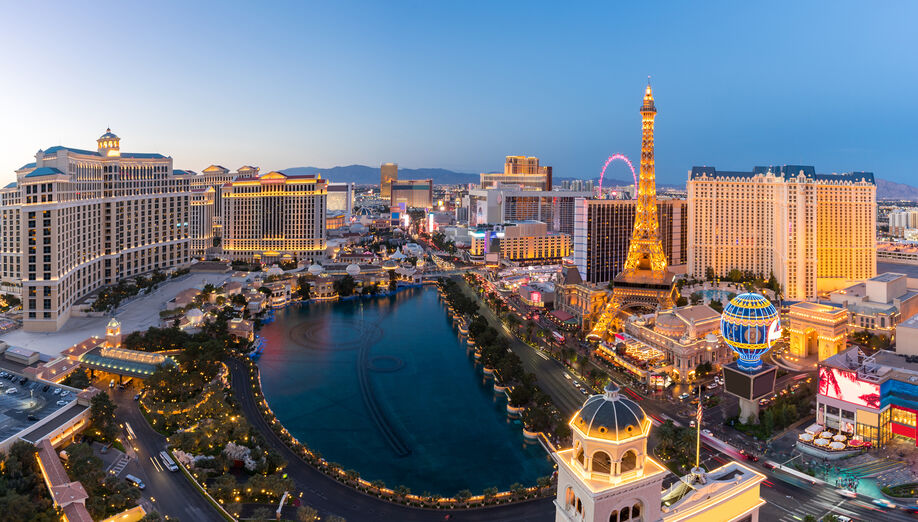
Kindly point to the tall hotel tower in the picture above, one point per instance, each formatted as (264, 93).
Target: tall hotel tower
(814, 232)
(76, 220)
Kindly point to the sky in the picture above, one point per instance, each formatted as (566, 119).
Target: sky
(460, 85)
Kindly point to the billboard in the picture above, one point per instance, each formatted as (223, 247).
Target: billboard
(844, 385)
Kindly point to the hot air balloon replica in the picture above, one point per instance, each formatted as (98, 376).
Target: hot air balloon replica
(750, 325)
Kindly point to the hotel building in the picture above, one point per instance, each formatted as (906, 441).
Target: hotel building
(603, 229)
(388, 172)
(506, 203)
(89, 218)
(216, 176)
(417, 193)
(341, 199)
(274, 217)
(524, 243)
(520, 170)
(814, 232)
(873, 398)
(201, 220)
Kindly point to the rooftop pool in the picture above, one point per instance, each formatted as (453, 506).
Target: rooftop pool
(385, 386)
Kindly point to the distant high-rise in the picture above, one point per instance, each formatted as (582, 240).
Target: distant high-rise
(84, 219)
(513, 203)
(520, 170)
(814, 232)
(388, 172)
(412, 193)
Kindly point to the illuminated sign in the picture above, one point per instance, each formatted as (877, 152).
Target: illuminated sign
(844, 385)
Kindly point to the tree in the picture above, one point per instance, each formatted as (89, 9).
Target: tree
(78, 379)
(152, 516)
(102, 417)
(302, 290)
(263, 514)
(681, 301)
(345, 286)
(717, 306)
(463, 496)
(306, 514)
(709, 274)
(696, 297)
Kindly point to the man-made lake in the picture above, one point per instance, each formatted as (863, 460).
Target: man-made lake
(384, 386)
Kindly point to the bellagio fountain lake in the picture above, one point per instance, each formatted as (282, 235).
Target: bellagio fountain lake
(385, 386)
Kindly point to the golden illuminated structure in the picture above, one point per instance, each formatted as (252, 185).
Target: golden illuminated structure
(644, 283)
(817, 328)
(610, 475)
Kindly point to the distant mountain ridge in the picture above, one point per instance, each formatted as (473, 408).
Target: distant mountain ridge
(364, 175)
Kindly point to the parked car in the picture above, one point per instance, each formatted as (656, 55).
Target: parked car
(11, 391)
(684, 396)
(46, 387)
(135, 481)
(57, 391)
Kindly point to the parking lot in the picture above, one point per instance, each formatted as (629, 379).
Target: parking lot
(24, 402)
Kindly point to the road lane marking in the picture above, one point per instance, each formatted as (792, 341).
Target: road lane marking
(155, 464)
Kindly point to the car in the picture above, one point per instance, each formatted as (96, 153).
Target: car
(684, 396)
(61, 403)
(135, 481)
(882, 502)
(111, 384)
(137, 397)
(46, 387)
(11, 391)
(3, 374)
(692, 423)
(32, 417)
(707, 432)
(57, 391)
(65, 393)
(842, 518)
(23, 380)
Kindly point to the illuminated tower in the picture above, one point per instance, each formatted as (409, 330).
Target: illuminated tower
(113, 334)
(644, 283)
(109, 144)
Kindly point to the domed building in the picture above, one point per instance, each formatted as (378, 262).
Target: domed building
(608, 475)
(353, 270)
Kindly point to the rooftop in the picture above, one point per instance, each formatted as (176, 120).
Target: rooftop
(30, 398)
(783, 172)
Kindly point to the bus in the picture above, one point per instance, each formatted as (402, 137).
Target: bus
(135, 481)
(167, 461)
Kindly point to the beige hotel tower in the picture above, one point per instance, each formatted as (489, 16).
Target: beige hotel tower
(76, 220)
(814, 232)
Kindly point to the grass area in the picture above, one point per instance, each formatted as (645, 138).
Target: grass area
(902, 490)
(119, 446)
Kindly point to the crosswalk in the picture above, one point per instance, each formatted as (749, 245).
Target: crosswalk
(118, 466)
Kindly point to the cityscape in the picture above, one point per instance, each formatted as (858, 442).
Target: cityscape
(633, 318)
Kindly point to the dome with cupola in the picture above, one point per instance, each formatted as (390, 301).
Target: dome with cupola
(109, 144)
(610, 416)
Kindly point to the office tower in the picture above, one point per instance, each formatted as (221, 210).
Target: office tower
(89, 218)
(512, 203)
(603, 229)
(412, 193)
(275, 217)
(814, 232)
(388, 172)
(520, 170)
(902, 220)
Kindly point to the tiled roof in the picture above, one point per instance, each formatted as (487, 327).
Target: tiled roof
(43, 171)
(27, 166)
(783, 171)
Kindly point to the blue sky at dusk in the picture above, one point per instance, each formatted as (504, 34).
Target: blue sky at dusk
(459, 85)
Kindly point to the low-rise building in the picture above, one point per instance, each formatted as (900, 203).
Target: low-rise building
(878, 304)
(871, 398)
(907, 336)
(688, 335)
(522, 243)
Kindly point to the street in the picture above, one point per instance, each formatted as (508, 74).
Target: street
(170, 493)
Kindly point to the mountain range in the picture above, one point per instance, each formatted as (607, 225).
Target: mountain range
(364, 175)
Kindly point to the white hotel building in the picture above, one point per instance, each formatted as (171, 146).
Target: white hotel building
(814, 232)
(76, 220)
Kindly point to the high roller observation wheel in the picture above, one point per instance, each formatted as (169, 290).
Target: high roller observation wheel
(618, 156)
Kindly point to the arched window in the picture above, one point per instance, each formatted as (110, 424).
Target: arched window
(602, 463)
(613, 517)
(579, 507)
(626, 514)
(579, 455)
(569, 496)
(636, 511)
(629, 462)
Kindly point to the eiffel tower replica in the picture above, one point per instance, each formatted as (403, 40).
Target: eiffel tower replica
(644, 283)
